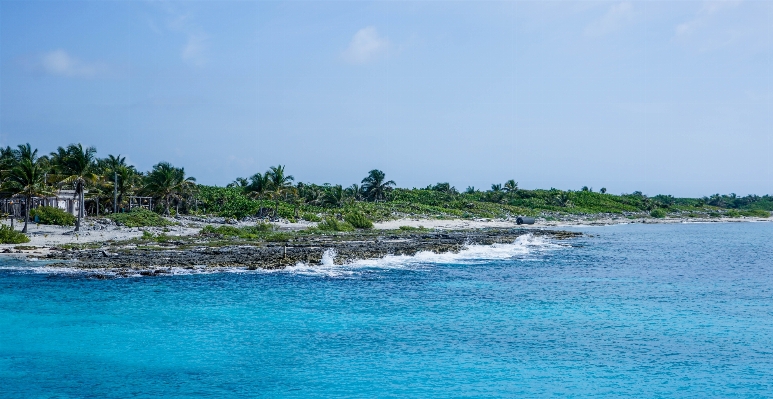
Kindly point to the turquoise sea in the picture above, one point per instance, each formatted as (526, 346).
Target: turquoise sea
(673, 311)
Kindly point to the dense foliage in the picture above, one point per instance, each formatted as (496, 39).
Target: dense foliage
(104, 184)
(11, 236)
(358, 220)
(52, 215)
(332, 224)
(261, 231)
(140, 217)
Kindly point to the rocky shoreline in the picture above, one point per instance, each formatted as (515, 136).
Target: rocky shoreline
(267, 255)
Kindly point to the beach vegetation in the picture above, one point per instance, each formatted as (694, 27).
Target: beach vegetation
(411, 228)
(311, 217)
(102, 184)
(75, 166)
(358, 220)
(140, 217)
(26, 176)
(10, 236)
(52, 215)
(757, 213)
(333, 224)
(260, 231)
(375, 186)
(658, 213)
(168, 183)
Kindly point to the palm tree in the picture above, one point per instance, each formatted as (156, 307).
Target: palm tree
(563, 199)
(26, 177)
(114, 162)
(7, 158)
(118, 176)
(258, 185)
(354, 191)
(167, 182)
(374, 187)
(75, 165)
(511, 186)
(127, 179)
(279, 184)
(333, 196)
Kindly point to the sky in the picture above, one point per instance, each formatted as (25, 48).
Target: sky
(655, 96)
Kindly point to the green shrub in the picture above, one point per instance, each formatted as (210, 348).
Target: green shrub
(11, 236)
(358, 220)
(757, 213)
(310, 217)
(411, 228)
(658, 213)
(732, 213)
(52, 215)
(140, 217)
(331, 224)
(259, 231)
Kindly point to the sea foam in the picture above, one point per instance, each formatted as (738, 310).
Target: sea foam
(470, 254)
(521, 248)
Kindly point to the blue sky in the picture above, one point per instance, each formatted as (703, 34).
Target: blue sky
(662, 97)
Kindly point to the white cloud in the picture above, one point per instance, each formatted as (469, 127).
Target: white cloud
(60, 63)
(366, 46)
(177, 20)
(194, 48)
(704, 16)
(734, 25)
(615, 18)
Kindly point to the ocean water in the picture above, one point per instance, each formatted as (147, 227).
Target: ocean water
(677, 311)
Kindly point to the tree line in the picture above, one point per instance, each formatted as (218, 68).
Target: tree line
(27, 174)
(105, 184)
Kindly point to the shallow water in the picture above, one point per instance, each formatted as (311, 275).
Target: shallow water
(631, 311)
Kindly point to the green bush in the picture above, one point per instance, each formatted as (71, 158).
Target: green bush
(259, 231)
(732, 213)
(140, 217)
(331, 224)
(11, 236)
(52, 215)
(658, 213)
(310, 217)
(358, 220)
(758, 213)
(411, 228)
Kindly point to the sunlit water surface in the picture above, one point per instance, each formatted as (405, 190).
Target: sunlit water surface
(630, 311)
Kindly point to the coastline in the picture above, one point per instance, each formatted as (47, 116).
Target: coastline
(120, 250)
(97, 230)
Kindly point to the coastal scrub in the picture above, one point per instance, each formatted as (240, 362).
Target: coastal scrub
(140, 217)
(11, 236)
(52, 215)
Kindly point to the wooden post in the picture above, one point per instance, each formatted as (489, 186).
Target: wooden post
(115, 193)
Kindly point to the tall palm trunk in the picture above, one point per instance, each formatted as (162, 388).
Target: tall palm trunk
(26, 213)
(79, 197)
(166, 205)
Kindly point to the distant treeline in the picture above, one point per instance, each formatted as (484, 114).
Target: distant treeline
(103, 184)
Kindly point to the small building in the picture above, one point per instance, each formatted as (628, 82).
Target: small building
(64, 200)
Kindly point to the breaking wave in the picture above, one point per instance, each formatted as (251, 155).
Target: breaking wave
(522, 248)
